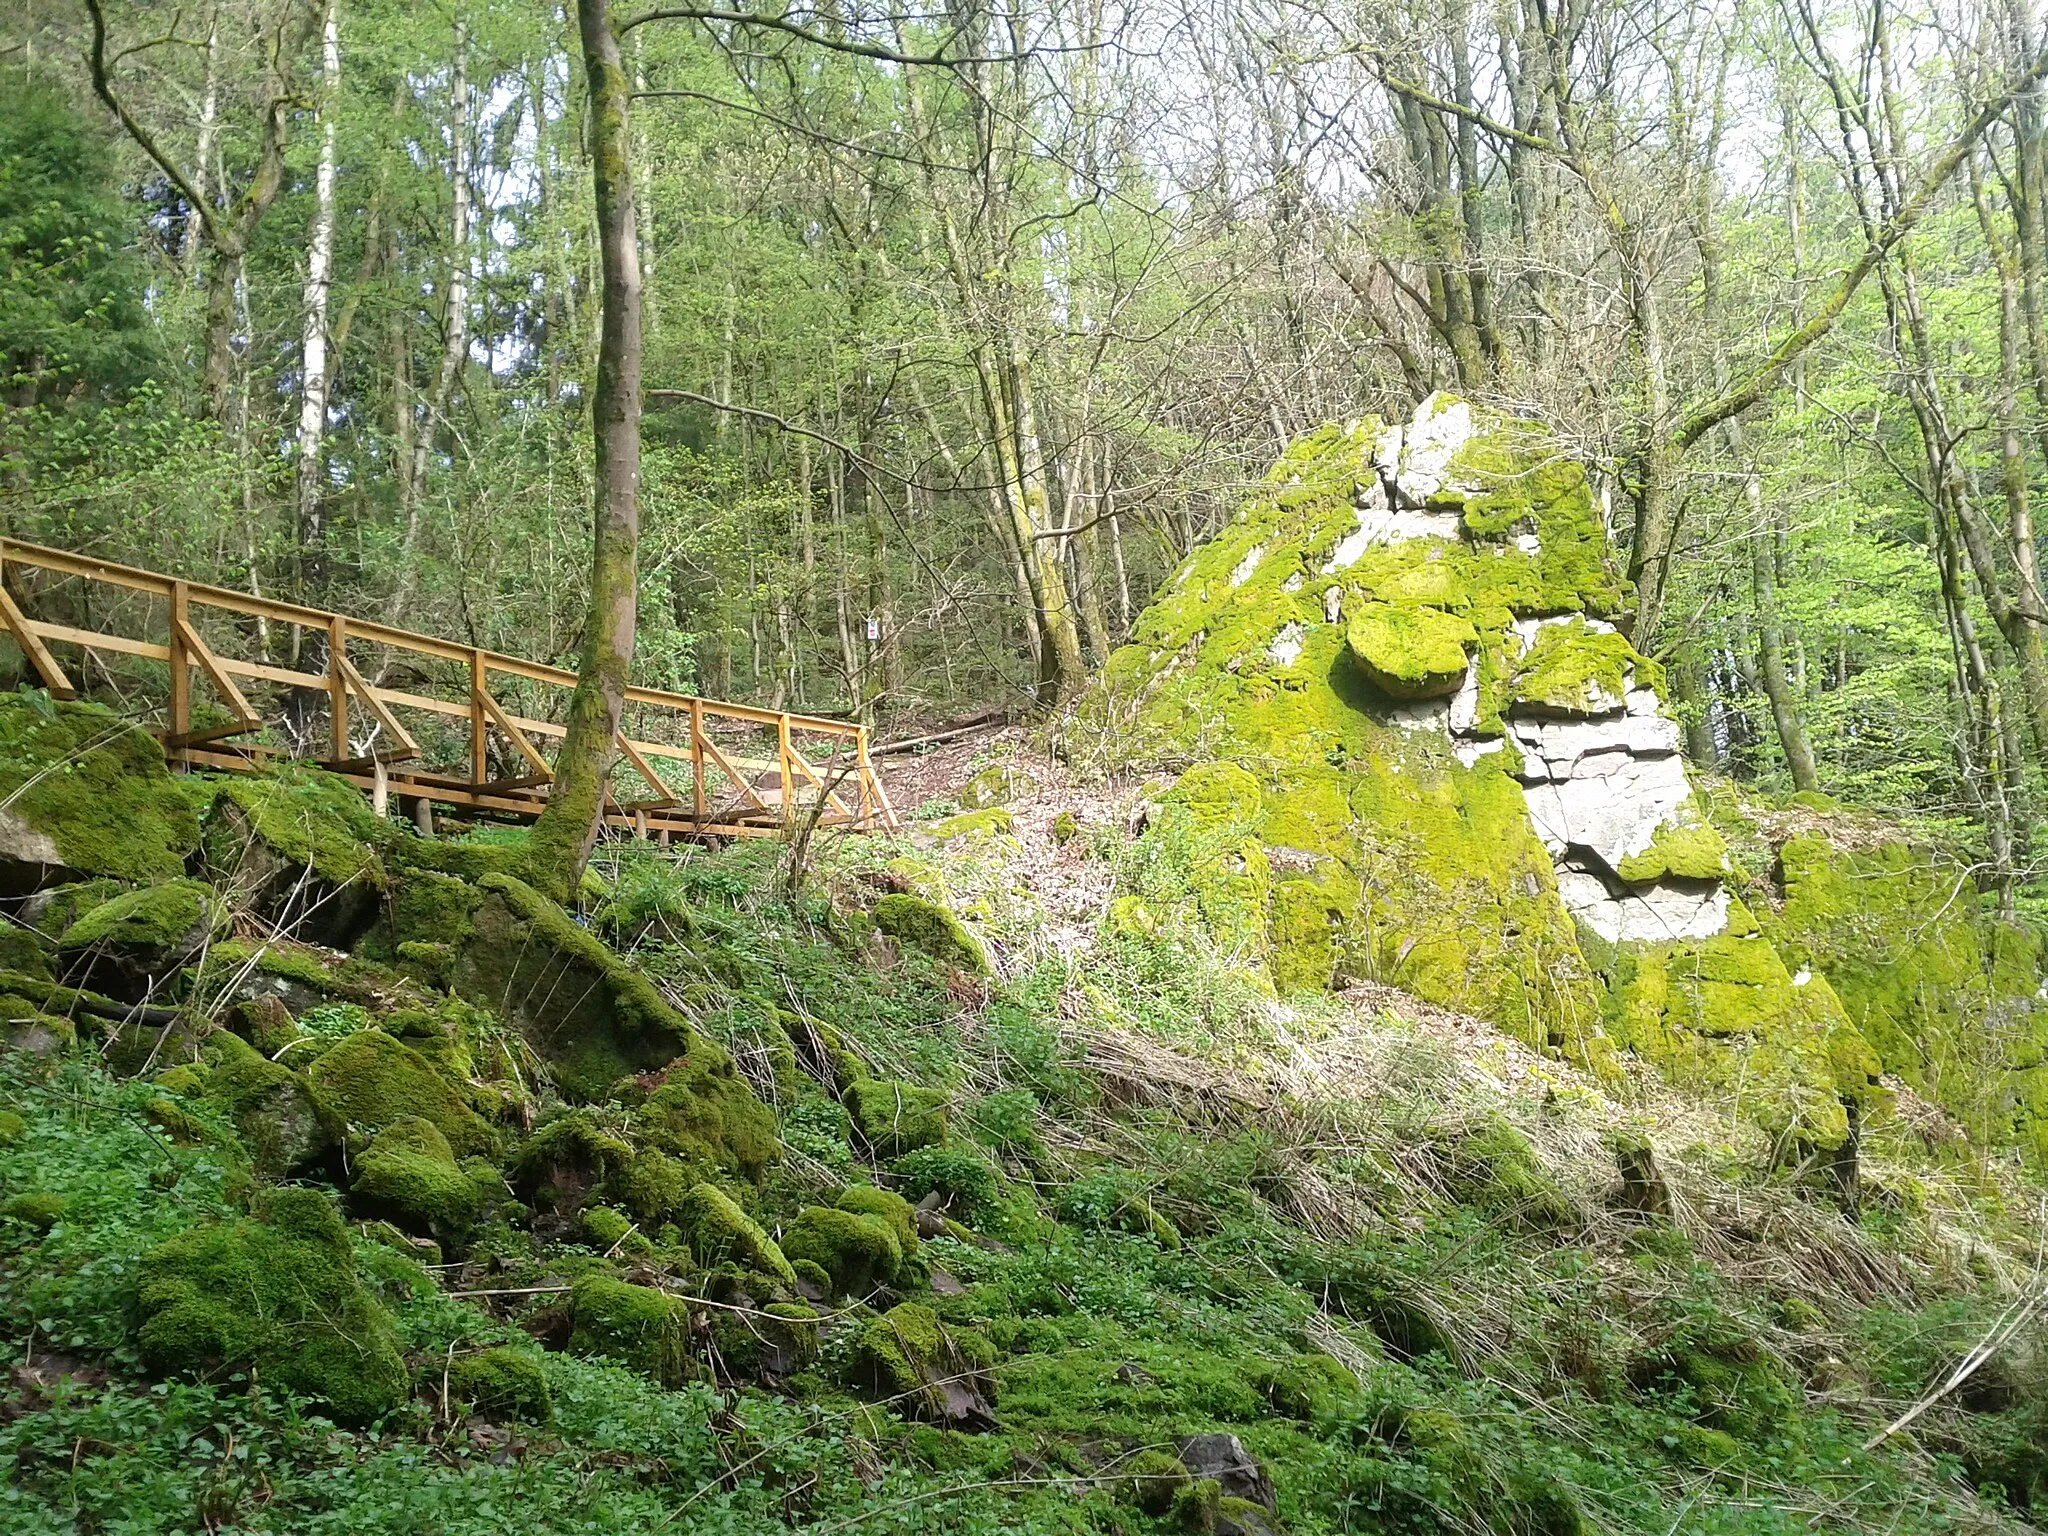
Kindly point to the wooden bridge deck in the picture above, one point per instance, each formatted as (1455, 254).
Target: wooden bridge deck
(690, 766)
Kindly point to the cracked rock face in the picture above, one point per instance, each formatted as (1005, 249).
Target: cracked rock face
(1602, 778)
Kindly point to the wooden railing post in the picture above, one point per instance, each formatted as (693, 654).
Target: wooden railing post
(697, 760)
(337, 682)
(782, 751)
(860, 749)
(181, 673)
(479, 746)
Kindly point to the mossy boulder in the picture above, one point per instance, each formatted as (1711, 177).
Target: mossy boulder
(86, 793)
(637, 1326)
(284, 1121)
(1411, 652)
(373, 1081)
(588, 1013)
(932, 928)
(899, 1214)
(717, 1232)
(1725, 1379)
(912, 1361)
(1217, 794)
(1575, 669)
(278, 1297)
(1151, 1480)
(38, 1210)
(409, 1176)
(701, 1111)
(502, 1383)
(128, 946)
(1490, 1165)
(991, 822)
(25, 950)
(55, 908)
(766, 1344)
(997, 784)
(895, 1117)
(300, 848)
(25, 1026)
(858, 1250)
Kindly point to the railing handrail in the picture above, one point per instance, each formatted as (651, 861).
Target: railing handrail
(185, 649)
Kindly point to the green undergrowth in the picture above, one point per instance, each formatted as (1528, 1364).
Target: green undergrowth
(1409, 1313)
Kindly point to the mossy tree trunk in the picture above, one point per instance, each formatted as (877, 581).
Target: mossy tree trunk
(566, 831)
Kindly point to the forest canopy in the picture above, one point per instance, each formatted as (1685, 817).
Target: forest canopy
(961, 327)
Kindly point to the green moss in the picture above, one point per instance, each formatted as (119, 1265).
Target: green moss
(610, 1231)
(588, 1013)
(1720, 1377)
(12, 1127)
(409, 1176)
(717, 1231)
(26, 1027)
(173, 919)
(1309, 1386)
(502, 1383)
(22, 950)
(1491, 1165)
(907, 1356)
(635, 1325)
(1574, 669)
(88, 792)
(298, 817)
(56, 909)
(768, 1343)
(1684, 848)
(1151, 1480)
(892, 1208)
(931, 927)
(973, 823)
(373, 1081)
(37, 1210)
(997, 784)
(858, 1251)
(1411, 652)
(277, 1297)
(285, 1123)
(1065, 828)
(1217, 794)
(704, 1111)
(1725, 1015)
(896, 1117)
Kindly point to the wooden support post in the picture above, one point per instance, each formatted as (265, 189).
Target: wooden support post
(181, 670)
(337, 683)
(697, 760)
(782, 751)
(640, 825)
(423, 815)
(479, 747)
(380, 788)
(32, 645)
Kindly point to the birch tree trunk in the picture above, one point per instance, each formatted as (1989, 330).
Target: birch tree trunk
(568, 828)
(202, 152)
(455, 298)
(311, 465)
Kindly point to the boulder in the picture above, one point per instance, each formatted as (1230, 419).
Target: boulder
(132, 945)
(373, 1081)
(278, 1298)
(409, 1176)
(86, 793)
(857, 1251)
(299, 848)
(639, 1327)
(923, 1369)
(1411, 652)
(931, 927)
(283, 1122)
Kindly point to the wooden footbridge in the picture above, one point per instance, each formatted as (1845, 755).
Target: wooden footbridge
(686, 766)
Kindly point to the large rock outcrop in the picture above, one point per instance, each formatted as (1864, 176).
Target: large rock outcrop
(1450, 770)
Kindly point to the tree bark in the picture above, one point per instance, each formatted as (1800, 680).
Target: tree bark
(202, 150)
(568, 828)
(310, 469)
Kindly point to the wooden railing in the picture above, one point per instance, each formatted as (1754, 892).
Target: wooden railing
(727, 790)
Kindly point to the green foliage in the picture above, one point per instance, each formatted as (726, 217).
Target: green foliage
(963, 1176)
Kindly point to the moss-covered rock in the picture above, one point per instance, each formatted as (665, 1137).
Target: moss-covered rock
(1491, 1165)
(409, 1176)
(892, 1208)
(130, 944)
(38, 1210)
(300, 847)
(373, 1081)
(1411, 652)
(766, 1343)
(931, 927)
(717, 1231)
(908, 1358)
(1575, 669)
(895, 1117)
(278, 1297)
(858, 1250)
(702, 1111)
(588, 1013)
(639, 1327)
(285, 1123)
(502, 1383)
(984, 823)
(997, 784)
(25, 950)
(86, 793)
